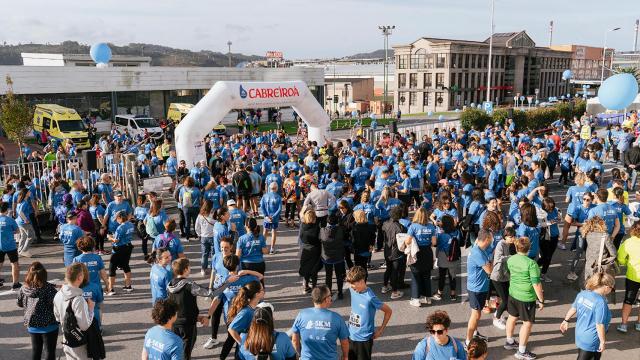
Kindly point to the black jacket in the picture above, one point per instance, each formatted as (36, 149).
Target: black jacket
(184, 293)
(38, 304)
(332, 239)
(390, 229)
(632, 156)
(310, 235)
(363, 236)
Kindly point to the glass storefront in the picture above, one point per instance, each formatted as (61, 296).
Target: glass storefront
(181, 96)
(133, 102)
(96, 105)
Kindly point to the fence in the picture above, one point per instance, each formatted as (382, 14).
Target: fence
(419, 129)
(611, 119)
(121, 168)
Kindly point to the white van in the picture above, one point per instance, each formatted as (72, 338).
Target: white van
(137, 124)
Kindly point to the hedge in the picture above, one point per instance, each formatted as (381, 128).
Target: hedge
(534, 119)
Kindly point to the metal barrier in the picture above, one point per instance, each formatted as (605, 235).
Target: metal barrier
(419, 129)
(41, 172)
(610, 119)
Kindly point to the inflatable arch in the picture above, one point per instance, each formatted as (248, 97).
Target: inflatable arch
(227, 95)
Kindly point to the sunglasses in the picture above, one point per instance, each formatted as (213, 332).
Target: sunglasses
(439, 332)
(586, 199)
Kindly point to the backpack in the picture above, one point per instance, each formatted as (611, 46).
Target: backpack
(164, 241)
(73, 336)
(454, 253)
(187, 200)
(455, 344)
(151, 228)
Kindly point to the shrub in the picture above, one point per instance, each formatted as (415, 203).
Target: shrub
(474, 119)
(500, 116)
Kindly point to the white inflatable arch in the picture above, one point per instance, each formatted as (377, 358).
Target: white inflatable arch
(227, 95)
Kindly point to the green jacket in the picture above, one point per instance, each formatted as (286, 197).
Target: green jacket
(629, 255)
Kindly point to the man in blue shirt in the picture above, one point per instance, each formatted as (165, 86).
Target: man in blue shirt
(271, 207)
(478, 268)
(69, 235)
(364, 304)
(315, 330)
(113, 208)
(8, 229)
(160, 342)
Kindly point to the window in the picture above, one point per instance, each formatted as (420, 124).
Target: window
(466, 61)
(402, 61)
(413, 80)
(439, 99)
(429, 64)
(427, 80)
(439, 80)
(460, 61)
(441, 60)
(122, 122)
(402, 80)
(473, 61)
(46, 122)
(413, 98)
(418, 59)
(454, 60)
(425, 98)
(401, 98)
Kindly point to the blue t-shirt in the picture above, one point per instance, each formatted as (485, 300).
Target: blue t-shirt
(363, 311)
(113, 209)
(94, 264)
(439, 352)
(25, 208)
(123, 234)
(232, 290)
(242, 320)
(444, 240)
(97, 211)
(251, 247)
(238, 217)
(220, 230)
(221, 272)
(621, 210)
(607, 213)
(140, 212)
(170, 242)
(318, 330)
(553, 215)
(93, 291)
(422, 233)
(8, 227)
(163, 344)
(477, 278)
(159, 279)
(533, 233)
(591, 309)
(69, 235)
(282, 347)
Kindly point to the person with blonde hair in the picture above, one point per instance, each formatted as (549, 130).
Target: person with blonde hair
(524, 289)
(594, 231)
(593, 316)
(629, 256)
(363, 235)
(425, 236)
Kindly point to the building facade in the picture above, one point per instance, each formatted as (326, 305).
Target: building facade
(443, 74)
(148, 90)
(41, 59)
(626, 60)
(586, 62)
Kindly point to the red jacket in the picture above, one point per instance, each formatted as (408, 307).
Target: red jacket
(85, 222)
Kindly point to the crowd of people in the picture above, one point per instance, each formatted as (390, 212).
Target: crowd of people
(480, 196)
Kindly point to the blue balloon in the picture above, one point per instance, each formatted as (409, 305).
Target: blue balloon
(473, 105)
(618, 91)
(100, 53)
(567, 75)
(430, 113)
(457, 110)
(441, 117)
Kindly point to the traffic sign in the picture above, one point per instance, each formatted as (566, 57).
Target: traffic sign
(488, 107)
(521, 98)
(537, 91)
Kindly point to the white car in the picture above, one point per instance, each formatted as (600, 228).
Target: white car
(137, 124)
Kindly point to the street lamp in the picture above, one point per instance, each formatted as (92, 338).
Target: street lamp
(229, 43)
(490, 54)
(386, 31)
(604, 52)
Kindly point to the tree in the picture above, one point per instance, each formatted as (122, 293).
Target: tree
(15, 115)
(630, 70)
(474, 119)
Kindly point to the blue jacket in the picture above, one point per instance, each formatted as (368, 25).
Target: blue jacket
(271, 205)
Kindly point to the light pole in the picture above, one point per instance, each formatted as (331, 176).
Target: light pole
(490, 54)
(229, 43)
(386, 31)
(604, 53)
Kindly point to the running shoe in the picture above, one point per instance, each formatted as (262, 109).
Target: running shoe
(527, 355)
(110, 292)
(511, 346)
(477, 335)
(272, 251)
(545, 278)
(562, 246)
(1, 282)
(572, 276)
(454, 297)
(425, 300)
(396, 295)
(211, 343)
(127, 288)
(499, 323)
(203, 273)
(622, 328)
(385, 289)
(383, 266)
(415, 302)
(437, 297)
(16, 286)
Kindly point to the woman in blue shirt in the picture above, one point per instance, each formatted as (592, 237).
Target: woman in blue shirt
(446, 267)
(189, 198)
(548, 247)
(529, 228)
(241, 313)
(366, 206)
(251, 247)
(264, 340)
(97, 211)
(161, 274)
(121, 254)
(593, 316)
(424, 234)
(220, 228)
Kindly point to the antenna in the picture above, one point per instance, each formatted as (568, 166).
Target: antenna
(550, 32)
(635, 36)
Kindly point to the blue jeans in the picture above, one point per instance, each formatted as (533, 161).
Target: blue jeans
(206, 244)
(581, 246)
(190, 215)
(634, 179)
(420, 283)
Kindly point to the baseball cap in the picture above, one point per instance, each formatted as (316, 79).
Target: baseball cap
(266, 305)
(71, 214)
(117, 193)
(66, 198)
(231, 202)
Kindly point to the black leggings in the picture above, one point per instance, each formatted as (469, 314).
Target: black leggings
(393, 273)
(215, 321)
(631, 291)
(502, 288)
(44, 344)
(588, 355)
(340, 271)
(227, 346)
(547, 248)
(347, 257)
(120, 259)
(290, 211)
(99, 236)
(362, 261)
(443, 273)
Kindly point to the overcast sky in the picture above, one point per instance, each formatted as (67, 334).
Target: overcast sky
(310, 28)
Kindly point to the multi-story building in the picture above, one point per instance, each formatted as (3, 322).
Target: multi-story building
(586, 63)
(442, 74)
(626, 60)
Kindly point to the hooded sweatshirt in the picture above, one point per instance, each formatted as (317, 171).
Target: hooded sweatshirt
(38, 304)
(185, 292)
(79, 305)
